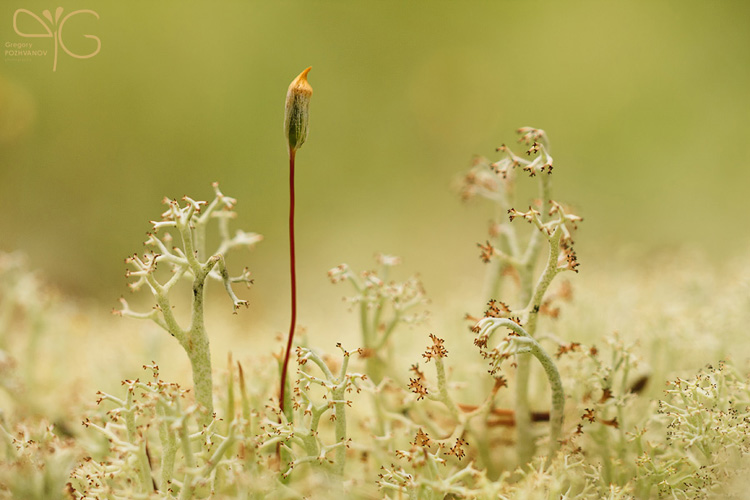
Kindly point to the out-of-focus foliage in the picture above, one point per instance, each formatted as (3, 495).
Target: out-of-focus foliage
(647, 102)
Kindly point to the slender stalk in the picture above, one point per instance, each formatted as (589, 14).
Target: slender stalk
(199, 353)
(296, 115)
(293, 274)
(339, 398)
(168, 444)
(527, 344)
(525, 438)
(525, 441)
(443, 395)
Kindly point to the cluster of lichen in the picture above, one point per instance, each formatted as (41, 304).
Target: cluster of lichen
(590, 423)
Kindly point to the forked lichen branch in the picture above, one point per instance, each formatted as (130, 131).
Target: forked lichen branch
(187, 261)
(519, 342)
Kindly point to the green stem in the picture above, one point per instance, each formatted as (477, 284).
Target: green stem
(144, 469)
(375, 366)
(169, 447)
(380, 419)
(187, 486)
(530, 345)
(388, 331)
(525, 440)
(443, 395)
(550, 271)
(219, 453)
(169, 322)
(229, 416)
(130, 417)
(339, 406)
(199, 353)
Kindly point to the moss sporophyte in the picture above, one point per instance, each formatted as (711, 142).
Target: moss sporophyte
(296, 118)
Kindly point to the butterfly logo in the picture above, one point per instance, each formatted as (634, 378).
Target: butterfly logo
(53, 28)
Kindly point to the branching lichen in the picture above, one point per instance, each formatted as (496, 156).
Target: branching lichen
(188, 260)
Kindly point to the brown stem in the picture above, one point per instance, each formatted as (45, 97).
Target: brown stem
(505, 417)
(293, 269)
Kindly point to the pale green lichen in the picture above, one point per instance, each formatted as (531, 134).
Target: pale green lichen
(188, 260)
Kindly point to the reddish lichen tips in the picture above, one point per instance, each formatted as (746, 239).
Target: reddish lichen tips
(297, 111)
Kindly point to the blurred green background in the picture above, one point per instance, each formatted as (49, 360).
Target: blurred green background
(647, 105)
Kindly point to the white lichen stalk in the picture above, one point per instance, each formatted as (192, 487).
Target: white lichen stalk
(188, 260)
(496, 182)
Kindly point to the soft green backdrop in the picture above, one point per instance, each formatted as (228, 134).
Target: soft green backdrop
(647, 104)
